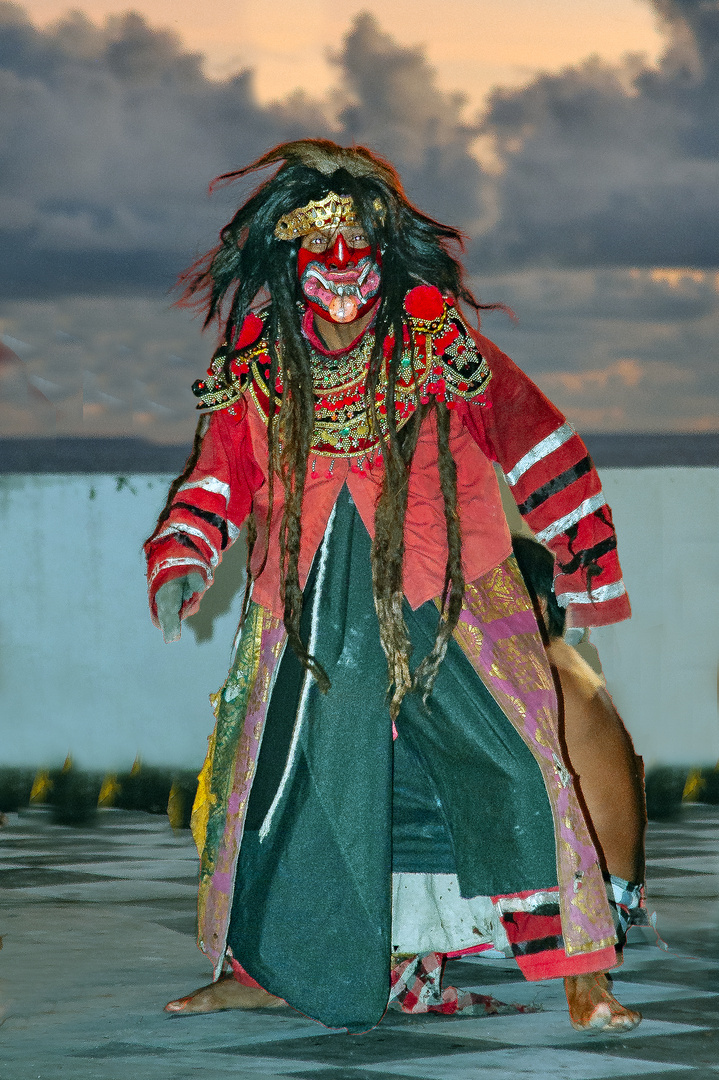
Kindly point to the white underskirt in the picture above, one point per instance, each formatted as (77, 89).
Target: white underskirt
(429, 915)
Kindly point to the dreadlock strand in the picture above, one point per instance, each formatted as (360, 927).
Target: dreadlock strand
(388, 562)
(251, 541)
(397, 648)
(271, 452)
(296, 433)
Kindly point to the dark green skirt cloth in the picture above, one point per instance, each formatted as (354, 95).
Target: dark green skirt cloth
(336, 807)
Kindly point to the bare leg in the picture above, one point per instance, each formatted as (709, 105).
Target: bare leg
(593, 1007)
(602, 758)
(226, 993)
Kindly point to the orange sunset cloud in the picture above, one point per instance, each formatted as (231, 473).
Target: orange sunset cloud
(473, 44)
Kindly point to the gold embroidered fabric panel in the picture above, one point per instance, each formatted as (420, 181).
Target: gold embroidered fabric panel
(498, 634)
(228, 772)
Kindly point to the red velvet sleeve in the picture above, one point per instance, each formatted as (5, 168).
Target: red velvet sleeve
(556, 488)
(207, 511)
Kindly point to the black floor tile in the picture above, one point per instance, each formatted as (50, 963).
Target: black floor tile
(700, 1011)
(354, 1074)
(31, 877)
(109, 1050)
(369, 1048)
(700, 1049)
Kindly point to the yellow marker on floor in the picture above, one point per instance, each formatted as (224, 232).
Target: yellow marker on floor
(41, 787)
(109, 791)
(175, 806)
(694, 786)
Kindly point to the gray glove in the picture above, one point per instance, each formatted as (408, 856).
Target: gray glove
(170, 598)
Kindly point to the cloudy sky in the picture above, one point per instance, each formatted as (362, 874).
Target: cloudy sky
(576, 142)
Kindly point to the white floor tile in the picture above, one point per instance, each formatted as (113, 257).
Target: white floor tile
(701, 864)
(539, 1064)
(547, 1029)
(705, 886)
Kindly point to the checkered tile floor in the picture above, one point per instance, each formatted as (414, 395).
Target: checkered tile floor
(97, 933)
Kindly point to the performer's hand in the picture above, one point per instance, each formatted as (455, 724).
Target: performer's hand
(170, 598)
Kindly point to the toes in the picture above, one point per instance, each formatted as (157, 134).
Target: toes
(604, 1019)
(627, 1021)
(177, 1006)
(193, 1003)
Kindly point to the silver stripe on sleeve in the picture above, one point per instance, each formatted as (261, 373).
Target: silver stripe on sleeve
(217, 487)
(604, 592)
(563, 523)
(191, 530)
(507, 904)
(208, 483)
(541, 450)
(180, 562)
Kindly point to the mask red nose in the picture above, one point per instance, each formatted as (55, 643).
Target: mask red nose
(339, 254)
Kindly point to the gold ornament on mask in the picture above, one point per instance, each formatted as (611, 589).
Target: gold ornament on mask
(334, 211)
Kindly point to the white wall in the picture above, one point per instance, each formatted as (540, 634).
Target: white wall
(83, 670)
(662, 665)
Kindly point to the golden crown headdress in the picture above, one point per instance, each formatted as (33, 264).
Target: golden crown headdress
(332, 211)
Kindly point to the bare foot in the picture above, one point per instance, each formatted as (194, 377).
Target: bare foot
(226, 993)
(593, 1007)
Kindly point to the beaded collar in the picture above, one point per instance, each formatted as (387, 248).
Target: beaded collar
(343, 425)
(447, 366)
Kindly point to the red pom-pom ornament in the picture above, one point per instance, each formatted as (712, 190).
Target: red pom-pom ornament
(249, 331)
(446, 339)
(424, 302)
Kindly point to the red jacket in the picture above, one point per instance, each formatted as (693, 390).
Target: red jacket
(510, 422)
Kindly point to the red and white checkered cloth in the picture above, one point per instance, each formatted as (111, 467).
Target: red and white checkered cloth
(417, 988)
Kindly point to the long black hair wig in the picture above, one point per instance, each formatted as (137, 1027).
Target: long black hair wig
(250, 261)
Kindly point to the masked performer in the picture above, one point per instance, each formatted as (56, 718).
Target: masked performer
(352, 420)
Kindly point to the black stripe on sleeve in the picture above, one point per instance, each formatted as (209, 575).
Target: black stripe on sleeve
(537, 945)
(206, 515)
(545, 911)
(187, 541)
(559, 483)
(589, 555)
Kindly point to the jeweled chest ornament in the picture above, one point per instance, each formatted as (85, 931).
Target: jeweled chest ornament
(447, 366)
